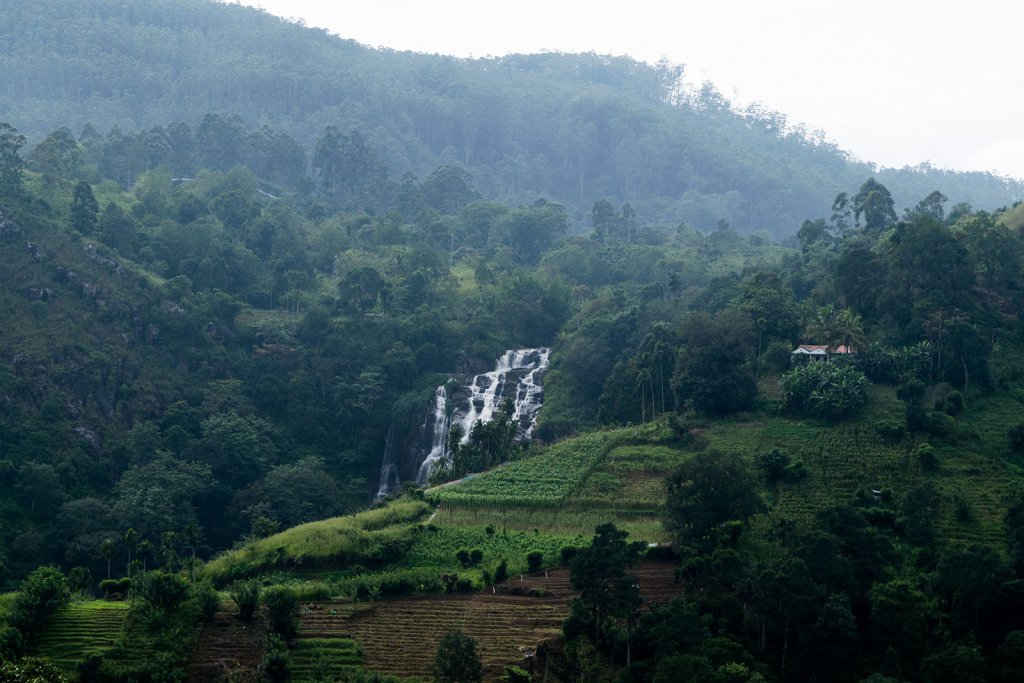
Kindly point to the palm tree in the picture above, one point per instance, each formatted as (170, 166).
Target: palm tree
(129, 540)
(848, 331)
(191, 533)
(107, 548)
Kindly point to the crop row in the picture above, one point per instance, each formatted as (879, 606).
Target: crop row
(544, 480)
(80, 630)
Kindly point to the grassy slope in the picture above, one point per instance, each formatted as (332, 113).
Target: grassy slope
(83, 629)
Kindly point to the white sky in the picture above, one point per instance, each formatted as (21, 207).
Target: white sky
(892, 81)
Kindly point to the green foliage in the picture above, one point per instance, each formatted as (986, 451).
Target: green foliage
(30, 670)
(205, 596)
(828, 390)
(41, 595)
(246, 596)
(456, 660)
(534, 560)
(513, 674)
(711, 371)
(281, 605)
(277, 664)
(164, 591)
(706, 493)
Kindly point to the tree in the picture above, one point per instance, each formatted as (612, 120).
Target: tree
(192, 535)
(606, 591)
(456, 660)
(705, 493)
(11, 163)
(107, 548)
(130, 537)
(40, 595)
(711, 369)
(875, 204)
(56, 157)
(118, 229)
(84, 209)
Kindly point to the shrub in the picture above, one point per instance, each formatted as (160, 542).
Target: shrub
(462, 555)
(456, 660)
(925, 454)
(534, 560)
(205, 597)
(281, 604)
(164, 591)
(773, 465)
(890, 430)
(501, 573)
(246, 594)
(277, 663)
(513, 674)
(475, 556)
(114, 589)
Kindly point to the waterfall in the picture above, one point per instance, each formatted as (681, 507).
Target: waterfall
(390, 478)
(412, 453)
(439, 434)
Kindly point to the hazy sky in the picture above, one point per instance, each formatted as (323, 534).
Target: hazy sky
(893, 81)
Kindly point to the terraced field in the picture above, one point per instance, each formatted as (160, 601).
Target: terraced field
(228, 648)
(400, 636)
(82, 629)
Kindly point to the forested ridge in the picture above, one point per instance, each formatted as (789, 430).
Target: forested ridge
(230, 281)
(572, 128)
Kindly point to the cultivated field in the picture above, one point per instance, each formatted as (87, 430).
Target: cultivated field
(400, 636)
(82, 629)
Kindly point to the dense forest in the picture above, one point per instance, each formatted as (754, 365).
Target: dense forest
(240, 253)
(570, 128)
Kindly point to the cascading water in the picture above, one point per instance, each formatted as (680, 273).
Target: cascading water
(439, 434)
(390, 478)
(412, 451)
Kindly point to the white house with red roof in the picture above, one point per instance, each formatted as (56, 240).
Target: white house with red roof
(820, 351)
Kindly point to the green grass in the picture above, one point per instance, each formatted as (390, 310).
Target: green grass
(370, 537)
(82, 629)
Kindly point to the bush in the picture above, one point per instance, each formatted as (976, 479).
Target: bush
(890, 430)
(164, 591)
(246, 594)
(206, 598)
(114, 589)
(925, 454)
(513, 674)
(534, 560)
(501, 573)
(281, 604)
(277, 663)
(475, 556)
(456, 660)
(567, 554)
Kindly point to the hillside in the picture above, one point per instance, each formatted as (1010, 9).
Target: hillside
(259, 281)
(573, 128)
